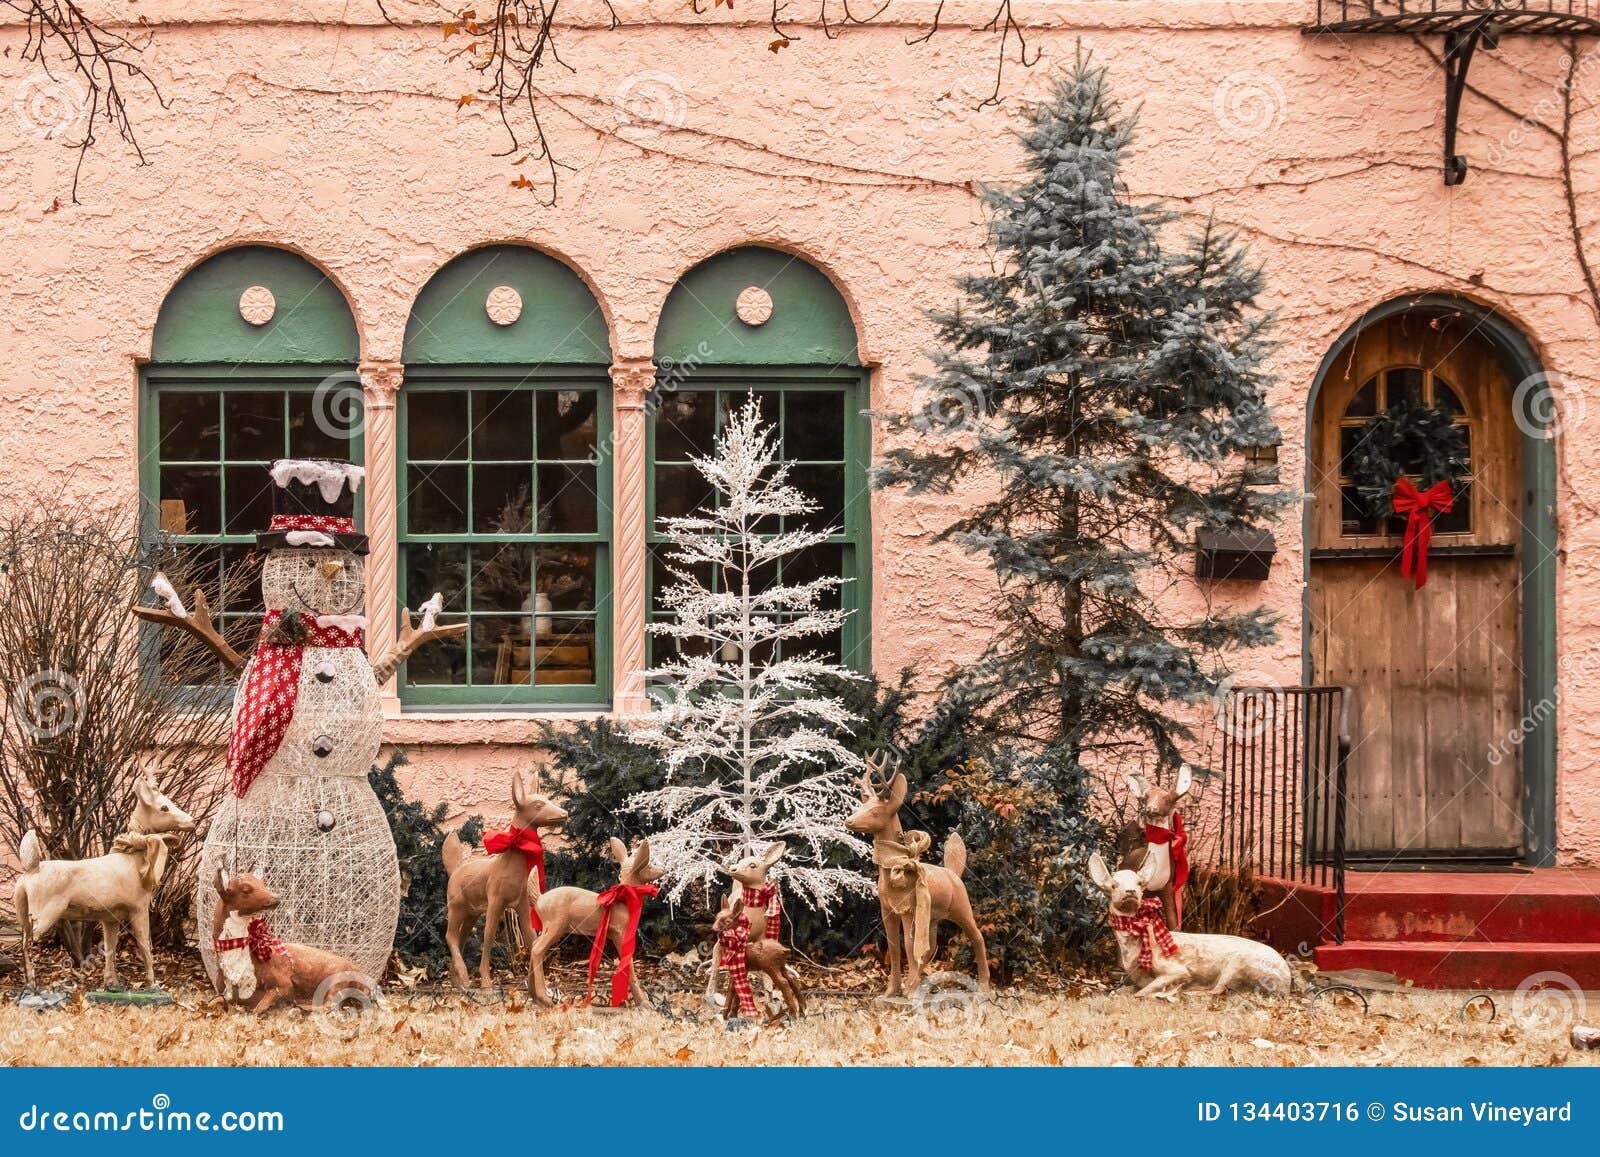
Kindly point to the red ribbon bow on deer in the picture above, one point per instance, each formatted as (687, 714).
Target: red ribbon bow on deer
(526, 841)
(1148, 920)
(1179, 839)
(633, 896)
(1419, 507)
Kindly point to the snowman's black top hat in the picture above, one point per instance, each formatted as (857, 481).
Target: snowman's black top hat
(313, 505)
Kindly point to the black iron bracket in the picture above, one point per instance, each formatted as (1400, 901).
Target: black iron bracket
(1458, 49)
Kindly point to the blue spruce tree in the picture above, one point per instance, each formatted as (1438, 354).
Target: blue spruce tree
(1098, 393)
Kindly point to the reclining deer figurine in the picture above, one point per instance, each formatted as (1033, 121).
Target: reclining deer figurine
(914, 897)
(490, 886)
(112, 889)
(1157, 838)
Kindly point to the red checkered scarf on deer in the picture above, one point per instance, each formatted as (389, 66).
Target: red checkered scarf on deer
(1147, 919)
(270, 689)
(632, 897)
(733, 939)
(526, 841)
(1179, 839)
(766, 895)
(259, 939)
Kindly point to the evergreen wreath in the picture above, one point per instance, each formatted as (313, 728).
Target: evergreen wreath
(1408, 438)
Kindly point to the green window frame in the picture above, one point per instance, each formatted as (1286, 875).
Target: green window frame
(433, 558)
(224, 413)
(790, 388)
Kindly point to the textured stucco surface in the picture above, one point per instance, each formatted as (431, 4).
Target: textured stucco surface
(345, 142)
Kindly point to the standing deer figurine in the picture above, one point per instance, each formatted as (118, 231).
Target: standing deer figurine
(569, 909)
(914, 897)
(747, 947)
(493, 885)
(750, 883)
(1157, 839)
(112, 889)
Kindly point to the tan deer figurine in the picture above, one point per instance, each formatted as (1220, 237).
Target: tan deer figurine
(914, 897)
(1157, 838)
(252, 962)
(745, 947)
(568, 909)
(750, 875)
(490, 886)
(113, 889)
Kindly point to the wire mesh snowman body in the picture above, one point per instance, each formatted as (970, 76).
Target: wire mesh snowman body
(310, 820)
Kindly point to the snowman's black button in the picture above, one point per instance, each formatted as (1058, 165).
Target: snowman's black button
(322, 746)
(323, 671)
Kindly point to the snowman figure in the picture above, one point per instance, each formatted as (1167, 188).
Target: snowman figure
(307, 724)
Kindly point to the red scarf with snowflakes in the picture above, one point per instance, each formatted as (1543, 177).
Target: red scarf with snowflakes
(733, 940)
(1148, 919)
(632, 897)
(765, 896)
(1179, 839)
(270, 689)
(526, 841)
(259, 939)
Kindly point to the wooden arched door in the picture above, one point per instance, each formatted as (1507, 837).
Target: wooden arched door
(1437, 672)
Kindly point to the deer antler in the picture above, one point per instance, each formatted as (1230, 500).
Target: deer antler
(411, 639)
(880, 768)
(196, 623)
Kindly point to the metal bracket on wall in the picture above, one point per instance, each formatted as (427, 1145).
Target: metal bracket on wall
(1458, 49)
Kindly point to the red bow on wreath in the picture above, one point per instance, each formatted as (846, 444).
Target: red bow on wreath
(526, 841)
(1419, 507)
(632, 896)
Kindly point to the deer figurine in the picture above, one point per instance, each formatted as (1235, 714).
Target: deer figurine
(113, 889)
(568, 909)
(498, 883)
(1157, 838)
(750, 877)
(914, 897)
(743, 944)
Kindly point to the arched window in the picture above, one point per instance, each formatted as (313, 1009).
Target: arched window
(762, 321)
(505, 482)
(1398, 385)
(253, 358)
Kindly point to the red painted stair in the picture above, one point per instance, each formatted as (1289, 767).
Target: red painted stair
(1469, 929)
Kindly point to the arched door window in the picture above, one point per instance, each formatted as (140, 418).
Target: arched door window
(505, 482)
(253, 358)
(1398, 385)
(762, 321)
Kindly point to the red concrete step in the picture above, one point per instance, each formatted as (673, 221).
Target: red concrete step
(1553, 905)
(1472, 964)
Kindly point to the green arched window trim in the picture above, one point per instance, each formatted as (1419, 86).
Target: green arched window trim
(854, 541)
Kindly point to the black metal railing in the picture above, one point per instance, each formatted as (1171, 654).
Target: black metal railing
(1547, 17)
(1285, 757)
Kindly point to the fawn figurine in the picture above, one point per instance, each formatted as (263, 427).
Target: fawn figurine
(751, 883)
(1162, 962)
(743, 946)
(1158, 839)
(569, 909)
(112, 889)
(308, 976)
(490, 886)
(914, 897)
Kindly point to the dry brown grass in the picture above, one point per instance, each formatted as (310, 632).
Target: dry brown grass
(1081, 1026)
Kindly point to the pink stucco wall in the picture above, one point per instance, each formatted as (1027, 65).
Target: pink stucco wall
(334, 134)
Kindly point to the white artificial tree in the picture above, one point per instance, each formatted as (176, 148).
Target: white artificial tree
(746, 737)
